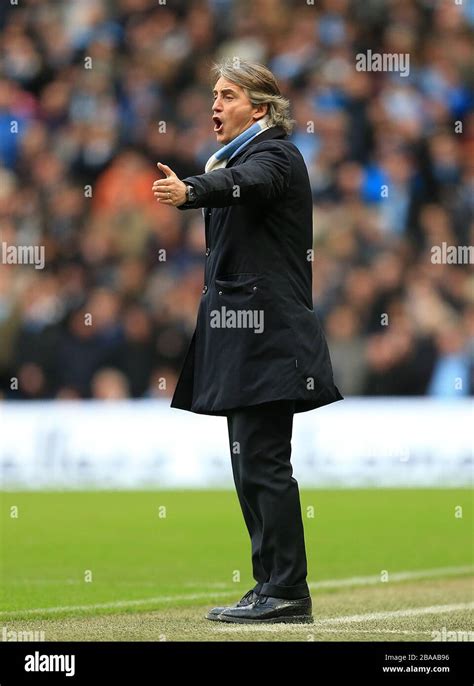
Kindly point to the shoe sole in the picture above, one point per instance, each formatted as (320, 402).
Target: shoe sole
(296, 619)
(212, 615)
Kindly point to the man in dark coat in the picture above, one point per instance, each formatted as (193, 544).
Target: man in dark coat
(258, 353)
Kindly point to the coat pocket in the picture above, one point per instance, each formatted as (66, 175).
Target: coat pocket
(245, 283)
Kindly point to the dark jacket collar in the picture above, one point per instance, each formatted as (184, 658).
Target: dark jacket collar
(268, 134)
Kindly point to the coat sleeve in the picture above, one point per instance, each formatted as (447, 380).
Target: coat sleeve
(263, 177)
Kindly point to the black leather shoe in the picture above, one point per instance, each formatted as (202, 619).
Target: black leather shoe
(247, 599)
(269, 609)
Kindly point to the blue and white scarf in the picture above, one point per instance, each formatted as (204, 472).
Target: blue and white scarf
(221, 157)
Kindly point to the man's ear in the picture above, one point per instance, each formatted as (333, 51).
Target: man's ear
(260, 111)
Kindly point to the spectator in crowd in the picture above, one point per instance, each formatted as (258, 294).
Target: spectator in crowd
(94, 93)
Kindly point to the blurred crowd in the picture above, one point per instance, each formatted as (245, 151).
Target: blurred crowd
(93, 93)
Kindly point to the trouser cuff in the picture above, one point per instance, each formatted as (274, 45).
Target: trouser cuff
(287, 592)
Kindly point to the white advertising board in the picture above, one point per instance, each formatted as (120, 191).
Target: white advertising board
(359, 442)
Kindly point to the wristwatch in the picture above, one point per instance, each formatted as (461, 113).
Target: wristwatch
(190, 193)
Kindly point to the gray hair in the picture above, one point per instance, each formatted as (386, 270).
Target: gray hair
(260, 87)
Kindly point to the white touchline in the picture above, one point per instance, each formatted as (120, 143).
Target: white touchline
(327, 630)
(369, 617)
(392, 576)
(112, 604)
(327, 583)
(210, 595)
(393, 614)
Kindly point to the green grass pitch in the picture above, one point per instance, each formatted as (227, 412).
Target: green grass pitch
(148, 565)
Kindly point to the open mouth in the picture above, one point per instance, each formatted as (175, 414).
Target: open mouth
(218, 125)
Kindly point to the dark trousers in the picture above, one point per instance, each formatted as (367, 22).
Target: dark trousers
(260, 448)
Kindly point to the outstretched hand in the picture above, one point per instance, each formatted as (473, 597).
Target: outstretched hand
(169, 191)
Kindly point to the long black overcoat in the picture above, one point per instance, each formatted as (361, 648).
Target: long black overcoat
(257, 336)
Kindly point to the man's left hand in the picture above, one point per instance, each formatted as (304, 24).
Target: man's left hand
(169, 191)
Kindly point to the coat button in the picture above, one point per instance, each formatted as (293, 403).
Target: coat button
(208, 250)
(220, 292)
(255, 288)
(204, 290)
